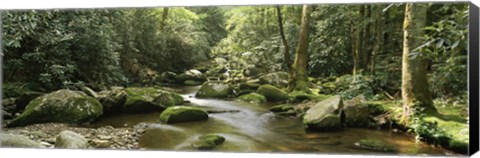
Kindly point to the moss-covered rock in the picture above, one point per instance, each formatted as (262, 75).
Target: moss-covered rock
(356, 112)
(191, 75)
(375, 145)
(60, 106)
(299, 96)
(253, 98)
(70, 140)
(249, 86)
(325, 115)
(166, 77)
(192, 83)
(272, 93)
(208, 142)
(214, 89)
(149, 99)
(281, 108)
(277, 79)
(179, 114)
(21, 141)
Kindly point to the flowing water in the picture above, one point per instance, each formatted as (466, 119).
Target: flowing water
(255, 129)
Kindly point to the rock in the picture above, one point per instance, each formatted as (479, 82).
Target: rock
(65, 106)
(25, 98)
(6, 115)
(166, 77)
(325, 115)
(213, 89)
(9, 105)
(192, 83)
(277, 79)
(253, 98)
(272, 93)
(249, 86)
(287, 113)
(149, 99)
(101, 143)
(208, 142)
(252, 71)
(281, 108)
(375, 145)
(357, 112)
(13, 140)
(179, 114)
(299, 96)
(71, 140)
(191, 75)
(112, 101)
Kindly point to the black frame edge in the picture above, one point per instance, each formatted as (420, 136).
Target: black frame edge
(473, 93)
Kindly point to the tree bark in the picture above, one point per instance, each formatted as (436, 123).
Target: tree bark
(164, 18)
(286, 49)
(298, 79)
(378, 38)
(415, 91)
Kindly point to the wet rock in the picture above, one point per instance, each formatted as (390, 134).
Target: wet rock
(249, 86)
(179, 114)
(375, 145)
(60, 106)
(253, 98)
(325, 115)
(113, 100)
(192, 74)
(277, 79)
(272, 93)
(149, 99)
(357, 112)
(71, 140)
(214, 89)
(281, 108)
(208, 142)
(166, 77)
(192, 83)
(13, 140)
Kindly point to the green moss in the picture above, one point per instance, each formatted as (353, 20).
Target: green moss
(281, 108)
(214, 90)
(60, 106)
(253, 98)
(149, 99)
(249, 86)
(192, 83)
(208, 142)
(272, 93)
(179, 114)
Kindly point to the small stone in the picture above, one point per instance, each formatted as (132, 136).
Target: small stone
(104, 137)
(101, 143)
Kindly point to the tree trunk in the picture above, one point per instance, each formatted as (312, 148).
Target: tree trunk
(164, 18)
(298, 79)
(378, 38)
(367, 52)
(358, 43)
(286, 49)
(415, 91)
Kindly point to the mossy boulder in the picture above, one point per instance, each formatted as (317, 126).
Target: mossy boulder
(70, 140)
(20, 141)
(149, 99)
(208, 142)
(215, 89)
(325, 115)
(277, 79)
(166, 77)
(191, 75)
(357, 112)
(249, 86)
(178, 114)
(25, 98)
(253, 98)
(299, 96)
(281, 108)
(272, 93)
(375, 145)
(112, 101)
(65, 106)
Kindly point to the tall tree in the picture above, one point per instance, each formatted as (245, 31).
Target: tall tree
(415, 89)
(164, 18)
(286, 54)
(298, 79)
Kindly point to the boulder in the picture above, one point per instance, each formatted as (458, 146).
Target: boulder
(253, 98)
(166, 77)
(65, 106)
(149, 99)
(208, 142)
(277, 79)
(357, 112)
(21, 141)
(191, 75)
(281, 108)
(179, 114)
(252, 71)
(192, 83)
(6, 115)
(25, 98)
(71, 140)
(272, 93)
(325, 115)
(9, 105)
(375, 145)
(299, 96)
(113, 100)
(89, 91)
(249, 86)
(214, 89)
